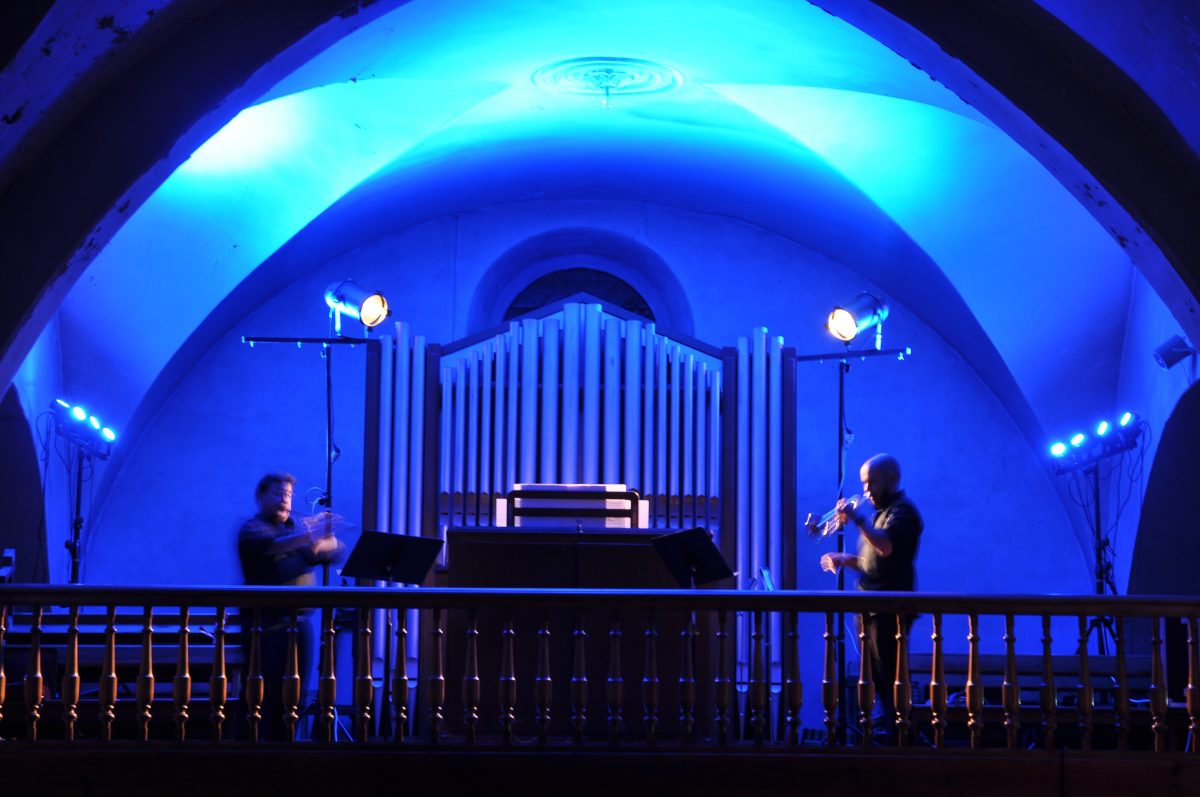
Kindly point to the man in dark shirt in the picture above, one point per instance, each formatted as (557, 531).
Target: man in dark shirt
(889, 532)
(276, 551)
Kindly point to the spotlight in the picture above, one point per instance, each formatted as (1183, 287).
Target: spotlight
(1171, 352)
(83, 429)
(1111, 438)
(348, 298)
(845, 323)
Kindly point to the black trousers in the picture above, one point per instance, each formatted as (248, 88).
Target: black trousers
(274, 651)
(880, 641)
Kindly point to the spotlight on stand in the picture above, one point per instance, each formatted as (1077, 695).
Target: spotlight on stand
(846, 322)
(347, 298)
(83, 429)
(1081, 451)
(1172, 352)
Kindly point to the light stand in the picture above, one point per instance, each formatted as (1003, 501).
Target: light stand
(75, 545)
(92, 440)
(843, 362)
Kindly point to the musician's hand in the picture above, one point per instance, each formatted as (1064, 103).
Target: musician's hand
(832, 562)
(325, 544)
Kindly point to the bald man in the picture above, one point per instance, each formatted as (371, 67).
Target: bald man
(889, 527)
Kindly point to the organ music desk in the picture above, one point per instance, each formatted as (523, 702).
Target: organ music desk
(569, 558)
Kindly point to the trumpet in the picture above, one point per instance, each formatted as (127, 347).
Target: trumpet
(829, 523)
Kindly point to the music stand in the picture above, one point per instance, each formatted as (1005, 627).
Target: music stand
(398, 558)
(692, 557)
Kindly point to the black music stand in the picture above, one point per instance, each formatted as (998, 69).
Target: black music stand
(398, 558)
(692, 557)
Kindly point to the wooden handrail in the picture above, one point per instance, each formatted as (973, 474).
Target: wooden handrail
(682, 698)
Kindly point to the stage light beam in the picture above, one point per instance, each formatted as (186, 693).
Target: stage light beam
(1102, 428)
(1058, 449)
(846, 322)
(1077, 439)
(370, 308)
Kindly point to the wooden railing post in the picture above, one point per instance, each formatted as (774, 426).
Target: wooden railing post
(470, 681)
(145, 681)
(793, 689)
(650, 680)
(437, 679)
(723, 684)
(3, 677)
(1122, 696)
(108, 676)
(543, 683)
(1158, 688)
(579, 680)
(34, 691)
(289, 686)
(218, 683)
(938, 694)
(902, 694)
(974, 683)
(1192, 692)
(71, 682)
(1049, 692)
(1084, 697)
(364, 685)
(255, 691)
(866, 681)
(181, 686)
(758, 680)
(508, 680)
(1010, 691)
(829, 682)
(327, 676)
(615, 692)
(400, 685)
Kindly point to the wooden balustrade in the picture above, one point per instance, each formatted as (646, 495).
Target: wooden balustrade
(688, 698)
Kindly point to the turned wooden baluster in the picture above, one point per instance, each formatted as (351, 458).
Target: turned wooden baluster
(723, 683)
(902, 696)
(108, 677)
(33, 676)
(289, 684)
(437, 679)
(1010, 691)
(543, 685)
(579, 681)
(1158, 688)
(1049, 692)
(1084, 695)
(218, 682)
(181, 686)
(400, 684)
(938, 696)
(974, 683)
(793, 689)
(866, 683)
(829, 682)
(758, 680)
(615, 684)
(1122, 696)
(327, 676)
(687, 678)
(470, 681)
(145, 681)
(255, 686)
(3, 677)
(71, 681)
(1192, 692)
(650, 680)
(508, 680)
(364, 685)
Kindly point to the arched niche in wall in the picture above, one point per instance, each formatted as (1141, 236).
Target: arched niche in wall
(1168, 546)
(581, 255)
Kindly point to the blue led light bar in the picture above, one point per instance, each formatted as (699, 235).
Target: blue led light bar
(1110, 439)
(83, 429)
